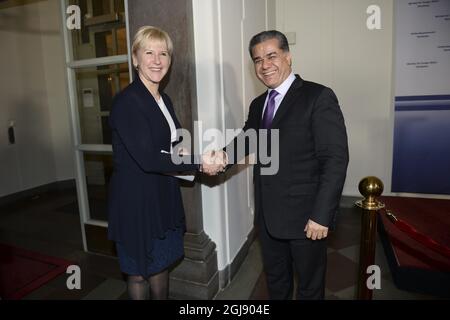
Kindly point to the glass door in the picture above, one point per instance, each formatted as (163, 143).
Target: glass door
(97, 68)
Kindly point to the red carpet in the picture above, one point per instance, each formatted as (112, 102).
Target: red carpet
(22, 271)
(414, 266)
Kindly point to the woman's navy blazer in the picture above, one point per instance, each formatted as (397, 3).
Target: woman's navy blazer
(144, 202)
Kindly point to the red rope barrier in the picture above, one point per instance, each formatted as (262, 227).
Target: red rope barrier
(416, 235)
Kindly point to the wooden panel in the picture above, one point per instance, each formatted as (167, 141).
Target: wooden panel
(97, 240)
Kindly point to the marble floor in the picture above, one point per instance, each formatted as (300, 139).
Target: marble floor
(43, 224)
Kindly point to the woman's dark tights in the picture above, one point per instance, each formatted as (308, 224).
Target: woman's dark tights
(157, 285)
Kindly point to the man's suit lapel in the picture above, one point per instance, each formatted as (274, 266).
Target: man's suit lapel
(288, 101)
(259, 106)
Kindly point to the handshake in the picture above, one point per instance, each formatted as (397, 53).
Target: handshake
(214, 162)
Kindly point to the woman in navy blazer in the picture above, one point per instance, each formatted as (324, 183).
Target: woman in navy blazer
(146, 215)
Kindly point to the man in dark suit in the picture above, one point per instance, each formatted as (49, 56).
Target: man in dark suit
(296, 206)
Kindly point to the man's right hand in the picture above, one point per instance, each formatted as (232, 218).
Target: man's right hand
(214, 162)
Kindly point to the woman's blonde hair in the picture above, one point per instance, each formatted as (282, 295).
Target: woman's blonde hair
(151, 33)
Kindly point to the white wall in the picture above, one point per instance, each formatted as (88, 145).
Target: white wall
(225, 86)
(335, 48)
(56, 84)
(33, 94)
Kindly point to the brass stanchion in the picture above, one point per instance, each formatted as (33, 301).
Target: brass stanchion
(370, 188)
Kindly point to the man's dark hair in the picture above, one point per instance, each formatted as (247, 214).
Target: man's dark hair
(267, 35)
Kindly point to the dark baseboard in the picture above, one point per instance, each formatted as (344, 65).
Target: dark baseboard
(97, 240)
(50, 187)
(348, 201)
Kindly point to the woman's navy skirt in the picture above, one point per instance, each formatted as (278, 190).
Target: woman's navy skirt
(163, 253)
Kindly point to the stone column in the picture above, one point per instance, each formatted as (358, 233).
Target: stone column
(197, 276)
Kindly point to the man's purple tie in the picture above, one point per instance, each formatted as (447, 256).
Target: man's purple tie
(268, 113)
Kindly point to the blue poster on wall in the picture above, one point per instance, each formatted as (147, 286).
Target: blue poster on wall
(421, 162)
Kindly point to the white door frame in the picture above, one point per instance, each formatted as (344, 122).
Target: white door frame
(78, 147)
